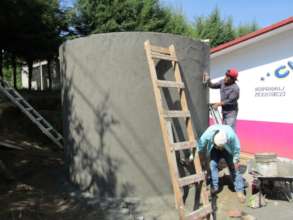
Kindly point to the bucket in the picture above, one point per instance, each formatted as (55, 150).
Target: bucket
(266, 164)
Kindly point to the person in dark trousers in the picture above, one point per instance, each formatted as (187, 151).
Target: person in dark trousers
(221, 142)
(229, 92)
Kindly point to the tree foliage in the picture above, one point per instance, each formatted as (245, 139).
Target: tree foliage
(31, 29)
(214, 28)
(244, 29)
(219, 30)
(101, 16)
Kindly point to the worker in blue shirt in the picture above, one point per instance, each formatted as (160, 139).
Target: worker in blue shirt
(221, 142)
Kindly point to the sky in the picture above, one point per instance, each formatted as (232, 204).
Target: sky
(264, 12)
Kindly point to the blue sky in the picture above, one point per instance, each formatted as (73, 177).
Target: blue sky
(264, 12)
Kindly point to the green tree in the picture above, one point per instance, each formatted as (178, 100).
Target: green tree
(102, 16)
(177, 24)
(219, 30)
(214, 28)
(31, 29)
(244, 29)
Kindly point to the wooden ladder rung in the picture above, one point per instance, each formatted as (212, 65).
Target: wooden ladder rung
(59, 138)
(162, 50)
(176, 114)
(200, 213)
(183, 145)
(167, 84)
(49, 129)
(163, 56)
(184, 181)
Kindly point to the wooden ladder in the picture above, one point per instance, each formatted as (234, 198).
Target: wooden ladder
(154, 53)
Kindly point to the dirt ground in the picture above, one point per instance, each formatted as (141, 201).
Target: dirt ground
(34, 185)
(33, 182)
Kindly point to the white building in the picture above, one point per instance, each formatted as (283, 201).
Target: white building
(264, 60)
(40, 77)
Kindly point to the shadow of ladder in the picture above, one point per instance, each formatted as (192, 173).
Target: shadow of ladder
(166, 115)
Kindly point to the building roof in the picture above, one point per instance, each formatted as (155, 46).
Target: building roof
(252, 36)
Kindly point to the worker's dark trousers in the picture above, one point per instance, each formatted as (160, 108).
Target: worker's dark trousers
(215, 157)
(229, 118)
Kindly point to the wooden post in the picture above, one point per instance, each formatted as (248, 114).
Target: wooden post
(49, 73)
(30, 74)
(14, 70)
(1, 62)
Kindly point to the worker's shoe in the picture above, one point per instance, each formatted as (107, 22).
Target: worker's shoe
(241, 197)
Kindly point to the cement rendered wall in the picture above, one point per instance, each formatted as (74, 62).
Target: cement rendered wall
(114, 144)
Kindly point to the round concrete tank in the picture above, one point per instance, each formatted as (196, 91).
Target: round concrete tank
(113, 140)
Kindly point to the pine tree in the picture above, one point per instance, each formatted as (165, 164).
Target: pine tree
(31, 29)
(244, 29)
(102, 16)
(214, 28)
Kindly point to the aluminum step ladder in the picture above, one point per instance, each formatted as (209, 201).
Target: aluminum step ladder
(31, 113)
(215, 114)
(166, 116)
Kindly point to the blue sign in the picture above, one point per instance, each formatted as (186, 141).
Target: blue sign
(282, 71)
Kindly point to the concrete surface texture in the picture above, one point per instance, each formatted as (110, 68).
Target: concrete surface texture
(114, 145)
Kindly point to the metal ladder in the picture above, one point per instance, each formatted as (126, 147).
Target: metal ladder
(31, 113)
(215, 114)
(166, 116)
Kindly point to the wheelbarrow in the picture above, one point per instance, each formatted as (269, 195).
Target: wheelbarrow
(278, 184)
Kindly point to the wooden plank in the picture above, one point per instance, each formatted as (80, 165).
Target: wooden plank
(168, 84)
(176, 114)
(183, 145)
(200, 213)
(157, 49)
(163, 57)
(184, 181)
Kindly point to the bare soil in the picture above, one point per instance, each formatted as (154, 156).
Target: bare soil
(33, 178)
(33, 181)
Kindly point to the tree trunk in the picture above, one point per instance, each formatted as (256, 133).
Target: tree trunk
(49, 73)
(30, 74)
(14, 71)
(6, 172)
(1, 63)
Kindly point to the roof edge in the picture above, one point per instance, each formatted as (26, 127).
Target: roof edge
(252, 35)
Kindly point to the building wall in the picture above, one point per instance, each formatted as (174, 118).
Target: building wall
(114, 144)
(24, 77)
(265, 119)
(40, 78)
